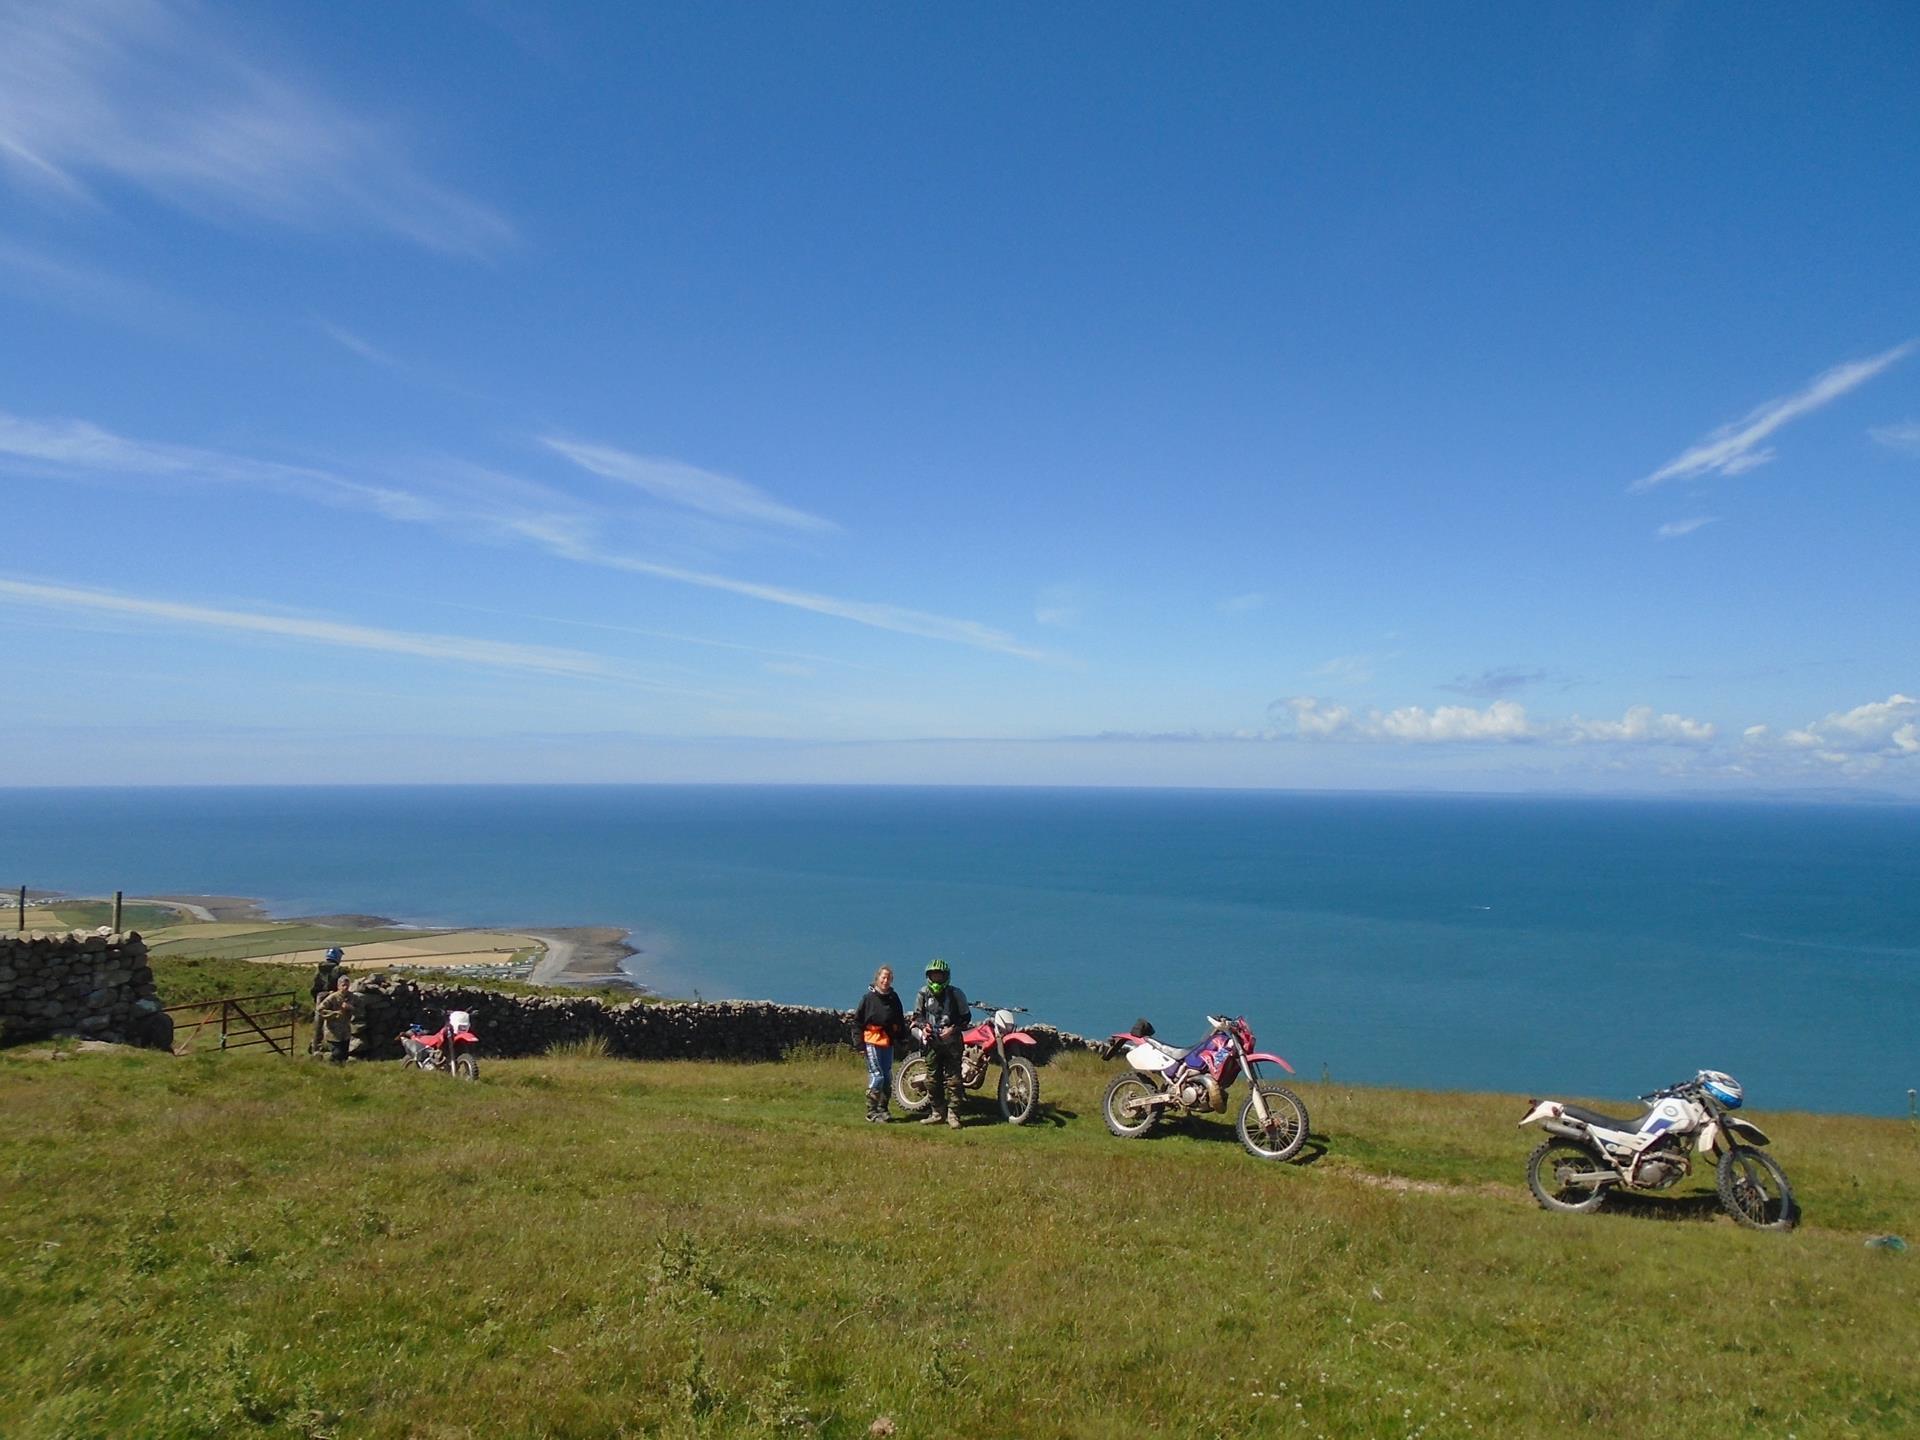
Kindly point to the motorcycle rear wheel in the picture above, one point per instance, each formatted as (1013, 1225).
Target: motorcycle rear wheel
(1550, 1160)
(1754, 1190)
(1019, 1090)
(1286, 1128)
(466, 1067)
(910, 1085)
(1126, 1114)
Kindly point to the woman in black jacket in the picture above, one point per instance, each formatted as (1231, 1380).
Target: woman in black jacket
(879, 1025)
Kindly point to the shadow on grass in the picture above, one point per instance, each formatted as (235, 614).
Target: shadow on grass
(1697, 1208)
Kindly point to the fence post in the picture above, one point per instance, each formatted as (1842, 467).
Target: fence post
(116, 911)
(23, 909)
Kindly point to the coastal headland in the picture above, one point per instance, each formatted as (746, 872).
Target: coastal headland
(232, 927)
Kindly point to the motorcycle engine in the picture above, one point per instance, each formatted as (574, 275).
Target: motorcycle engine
(1193, 1093)
(1660, 1169)
(972, 1062)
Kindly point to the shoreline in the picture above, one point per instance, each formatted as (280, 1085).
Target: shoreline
(582, 956)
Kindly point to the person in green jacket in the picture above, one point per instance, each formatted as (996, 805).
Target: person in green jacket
(940, 1016)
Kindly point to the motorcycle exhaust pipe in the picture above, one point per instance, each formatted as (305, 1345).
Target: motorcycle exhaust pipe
(1564, 1130)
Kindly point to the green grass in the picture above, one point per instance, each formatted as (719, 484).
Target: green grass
(226, 1245)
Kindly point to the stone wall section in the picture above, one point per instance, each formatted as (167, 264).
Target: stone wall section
(511, 1026)
(97, 986)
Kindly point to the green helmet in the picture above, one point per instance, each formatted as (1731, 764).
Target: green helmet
(938, 969)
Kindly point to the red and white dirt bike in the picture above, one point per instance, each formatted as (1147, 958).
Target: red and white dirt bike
(994, 1038)
(1170, 1080)
(451, 1048)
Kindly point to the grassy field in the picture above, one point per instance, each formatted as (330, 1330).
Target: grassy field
(184, 978)
(234, 1244)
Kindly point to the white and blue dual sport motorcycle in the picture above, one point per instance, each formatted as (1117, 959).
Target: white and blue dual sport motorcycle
(1587, 1153)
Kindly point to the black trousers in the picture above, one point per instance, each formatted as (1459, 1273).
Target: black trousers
(337, 1051)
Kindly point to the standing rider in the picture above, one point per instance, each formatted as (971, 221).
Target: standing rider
(940, 1016)
(325, 976)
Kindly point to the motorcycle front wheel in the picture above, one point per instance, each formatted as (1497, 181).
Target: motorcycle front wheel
(1019, 1090)
(1552, 1160)
(466, 1067)
(1124, 1105)
(1286, 1128)
(1754, 1189)
(910, 1085)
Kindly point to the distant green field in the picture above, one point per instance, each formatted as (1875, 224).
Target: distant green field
(183, 978)
(92, 914)
(241, 1245)
(275, 940)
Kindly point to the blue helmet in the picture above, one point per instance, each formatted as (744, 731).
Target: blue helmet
(1722, 1087)
(336, 953)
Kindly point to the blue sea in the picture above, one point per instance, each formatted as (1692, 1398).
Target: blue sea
(1574, 946)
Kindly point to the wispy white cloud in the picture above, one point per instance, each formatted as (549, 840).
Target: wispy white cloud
(1501, 722)
(158, 96)
(1674, 529)
(465, 500)
(678, 483)
(447, 649)
(1641, 726)
(1062, 606)
(1307, 717)
(358, 345)
(1352, 669)
(1904, 437)
(1736, 448)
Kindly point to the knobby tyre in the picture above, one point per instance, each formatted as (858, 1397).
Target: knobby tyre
(1124, 1106)
(1554, 1159)
(1019, 1090)
(1754, 1189)
(910, 1085)
(1286, 1128)
(466, 1067)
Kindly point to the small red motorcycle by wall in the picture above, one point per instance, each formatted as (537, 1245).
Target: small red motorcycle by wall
(451, 1048)
(1019, 1081)
(1165, 1079)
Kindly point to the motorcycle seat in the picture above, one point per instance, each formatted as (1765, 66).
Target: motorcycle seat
(1605, 1122)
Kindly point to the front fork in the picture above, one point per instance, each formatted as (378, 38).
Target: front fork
(1258, 1100)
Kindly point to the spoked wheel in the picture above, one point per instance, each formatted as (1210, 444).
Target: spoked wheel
(466, 1067)
(1019, 1090)
(1547, 1171)
(910, 1085)
(1285, 1130)
(1754, 1189)
(1125, 1106)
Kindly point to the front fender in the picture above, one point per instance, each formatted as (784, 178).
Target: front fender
(1268, 1055)
(1018, 1037)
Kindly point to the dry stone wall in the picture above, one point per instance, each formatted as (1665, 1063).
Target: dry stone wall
(519, 1025)
(97, 986)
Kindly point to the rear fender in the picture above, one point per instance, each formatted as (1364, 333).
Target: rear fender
(1542, 1110)
(1269, 1055)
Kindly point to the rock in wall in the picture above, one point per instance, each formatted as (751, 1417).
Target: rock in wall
(519, 1025)
(99, 986)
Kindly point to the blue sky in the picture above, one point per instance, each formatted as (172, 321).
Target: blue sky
(1497, 398)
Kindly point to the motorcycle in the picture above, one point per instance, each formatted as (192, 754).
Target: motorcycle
(450, 1048)
(1019, 1087)
(1162, 1080)
(1587, 1154)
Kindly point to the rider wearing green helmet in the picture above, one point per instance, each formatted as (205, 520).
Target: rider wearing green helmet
(940, 1016)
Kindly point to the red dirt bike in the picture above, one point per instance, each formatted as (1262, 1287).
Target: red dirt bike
(1168, 1080)
(1019, 1080)
(450, 1048)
